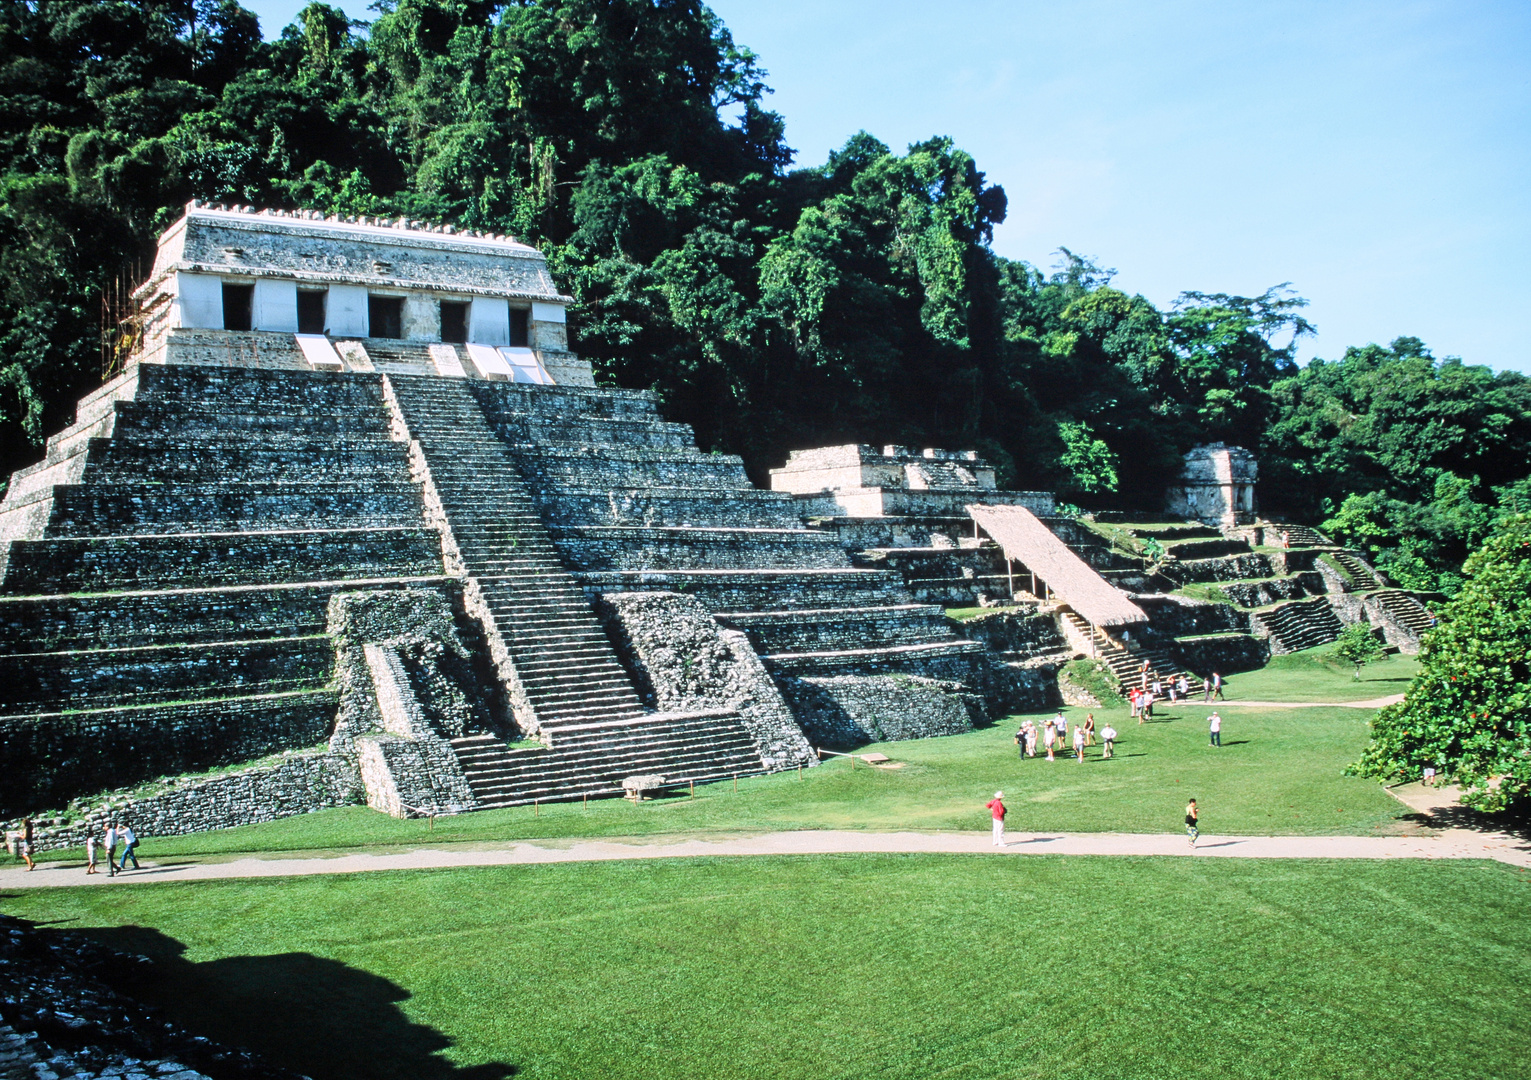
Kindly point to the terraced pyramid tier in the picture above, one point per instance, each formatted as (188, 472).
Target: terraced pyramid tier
(163, 594)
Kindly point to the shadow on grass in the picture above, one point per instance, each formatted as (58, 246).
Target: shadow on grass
(317, 1016)
(1464, 817)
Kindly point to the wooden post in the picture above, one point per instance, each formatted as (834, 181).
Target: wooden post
(736, 783)
(430, 823)
(536, 808)
(693, 789)
(800, 772)
(584, 801)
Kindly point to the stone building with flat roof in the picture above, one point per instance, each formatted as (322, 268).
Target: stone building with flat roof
(1216, 486)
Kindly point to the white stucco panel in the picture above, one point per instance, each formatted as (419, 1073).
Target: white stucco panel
(489, 321)
(547, 312)
(199, 301)
(346, 311)
(276, 305)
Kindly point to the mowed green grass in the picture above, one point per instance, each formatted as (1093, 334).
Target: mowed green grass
(1278, 772)
(1315, 675)
(848, 966)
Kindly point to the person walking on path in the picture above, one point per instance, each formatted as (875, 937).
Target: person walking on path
(111, 849)
(996, 807)
(1192, 821)
(1108, 736)
(1217, 687)
(28, 841)
(1215, 726)
(129, 846)
(1184, 687)
(1079, 743)
(90, 854)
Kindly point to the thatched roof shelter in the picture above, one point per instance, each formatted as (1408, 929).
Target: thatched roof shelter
(1026, 540)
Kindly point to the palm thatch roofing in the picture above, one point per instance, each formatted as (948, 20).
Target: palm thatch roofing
(1026, 540)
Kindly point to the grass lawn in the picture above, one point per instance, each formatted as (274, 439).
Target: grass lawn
(848, 966)
(1278, 771)
(1315, 675)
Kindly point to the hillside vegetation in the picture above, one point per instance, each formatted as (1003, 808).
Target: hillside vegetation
(773, 307)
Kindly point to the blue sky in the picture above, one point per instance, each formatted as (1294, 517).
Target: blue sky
(1375, 154)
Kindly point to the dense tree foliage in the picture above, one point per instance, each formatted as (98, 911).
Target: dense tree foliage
(1468, 712)
(857, 300)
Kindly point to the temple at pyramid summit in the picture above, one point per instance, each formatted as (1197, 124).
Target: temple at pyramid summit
(352, 524)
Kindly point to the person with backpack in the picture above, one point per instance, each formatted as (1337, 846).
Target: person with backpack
(996, 807)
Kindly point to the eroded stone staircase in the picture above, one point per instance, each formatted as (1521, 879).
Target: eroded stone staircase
(568, 685)
(1300, 624)
(1128, 665)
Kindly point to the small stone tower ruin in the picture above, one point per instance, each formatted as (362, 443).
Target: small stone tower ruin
(1216, 486)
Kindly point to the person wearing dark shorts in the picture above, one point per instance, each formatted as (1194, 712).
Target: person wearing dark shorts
(1192, 821)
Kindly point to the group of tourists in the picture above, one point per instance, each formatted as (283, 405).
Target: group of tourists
(115, 836)
(1056, 737)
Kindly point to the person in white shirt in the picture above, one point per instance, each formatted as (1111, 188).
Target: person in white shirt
(111, 850)
(1079, 743)
(129, 842)
(1108, 737)
(1215, 725)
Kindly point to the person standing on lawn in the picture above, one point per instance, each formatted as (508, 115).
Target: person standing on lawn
(1108, 736)
(1215, 726)
(1192, 821)
(996, 807)
(1079, 743)
(1089, 729)
(1020, 740)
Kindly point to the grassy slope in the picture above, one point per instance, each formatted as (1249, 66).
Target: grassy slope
(1315, 675)
(852, 966)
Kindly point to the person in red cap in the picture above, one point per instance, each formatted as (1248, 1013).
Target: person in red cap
(996, 806)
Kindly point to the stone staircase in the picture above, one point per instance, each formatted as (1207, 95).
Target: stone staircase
(632, 504)
(565, 679)
(1362, 579)
(1405, 610)
(1297, 535)
(163, 595)
(1301, 624)
(1127, 665)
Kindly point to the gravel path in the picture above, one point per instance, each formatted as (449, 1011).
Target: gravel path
(1448, 844)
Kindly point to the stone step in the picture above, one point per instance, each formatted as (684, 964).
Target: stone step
(132, 509)
(69, 565)
(163, 461)
(38, 681)
(89, 749)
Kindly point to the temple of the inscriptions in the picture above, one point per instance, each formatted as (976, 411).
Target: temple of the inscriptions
(352, 524)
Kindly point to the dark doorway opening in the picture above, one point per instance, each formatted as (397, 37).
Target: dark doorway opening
(310, 311)
(238, 305)
(385, 316)
(520, 327)
(454, 322)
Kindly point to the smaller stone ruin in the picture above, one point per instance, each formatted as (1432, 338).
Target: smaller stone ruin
(857, 480)
(1216, 486)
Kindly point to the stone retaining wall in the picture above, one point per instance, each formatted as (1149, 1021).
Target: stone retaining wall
(845, 711)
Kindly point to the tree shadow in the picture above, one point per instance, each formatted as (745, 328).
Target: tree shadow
(317, 1016)
(1464, 817)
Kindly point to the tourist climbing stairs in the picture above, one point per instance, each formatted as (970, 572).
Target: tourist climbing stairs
(1127, 665)
(582, 701)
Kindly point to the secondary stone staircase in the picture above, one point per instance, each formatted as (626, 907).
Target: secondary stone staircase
(1362, 579)
(1127, 665)
(565, 679)
(163, 593)
(1301, 624)
(1405, 610)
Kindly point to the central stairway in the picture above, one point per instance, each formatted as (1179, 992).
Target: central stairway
(566, 683)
